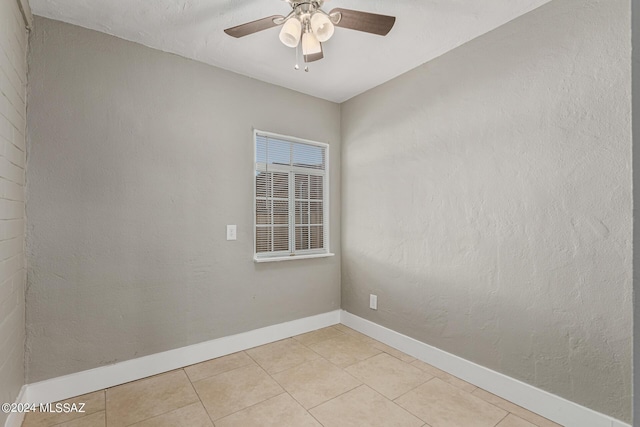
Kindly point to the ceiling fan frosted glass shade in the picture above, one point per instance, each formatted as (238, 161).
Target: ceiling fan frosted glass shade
(310, 44)
(322, 27)
(290, 32)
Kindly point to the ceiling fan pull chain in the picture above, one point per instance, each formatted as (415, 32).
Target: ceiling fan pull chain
(297, 67)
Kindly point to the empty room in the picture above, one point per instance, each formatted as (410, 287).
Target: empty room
(294, 213)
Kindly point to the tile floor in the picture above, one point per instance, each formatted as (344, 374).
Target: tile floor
(330, 377)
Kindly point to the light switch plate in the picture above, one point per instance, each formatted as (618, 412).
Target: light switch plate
(373, 302)
(231, 232)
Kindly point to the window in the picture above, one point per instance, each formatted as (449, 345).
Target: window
(291, 198)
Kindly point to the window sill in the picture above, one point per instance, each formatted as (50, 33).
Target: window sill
(291, 258)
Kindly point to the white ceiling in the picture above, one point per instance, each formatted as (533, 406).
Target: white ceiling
(354, 62)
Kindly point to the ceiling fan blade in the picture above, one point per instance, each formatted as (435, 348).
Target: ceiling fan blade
(314, 56)
(364, 21)
(253, 26)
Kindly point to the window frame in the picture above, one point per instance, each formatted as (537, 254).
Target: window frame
(291, 171)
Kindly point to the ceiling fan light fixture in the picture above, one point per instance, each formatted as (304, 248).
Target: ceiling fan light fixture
(310, 44)
(290, 32)
(309, 22)
(322, 26)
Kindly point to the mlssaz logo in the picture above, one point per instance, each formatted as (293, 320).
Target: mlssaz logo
(62, 408)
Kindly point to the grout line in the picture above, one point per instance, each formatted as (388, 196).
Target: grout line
(459, 389)
(316, 342)
(106, 415)
(403, 394)
(201, 402)
(502, 419)
(313, 416)
(250, 357)
(83, 416)
(286, 391)
(163, 413)
(79, 418)
(341, 394)
(254, 404)
(252, 362)
(226, 372)
(409, 411)
(251, 406)
(508, 411)
(328, 400)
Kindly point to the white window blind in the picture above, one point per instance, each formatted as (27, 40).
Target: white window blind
(291, 201)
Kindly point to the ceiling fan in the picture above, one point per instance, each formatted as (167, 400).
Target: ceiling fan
(309, 23)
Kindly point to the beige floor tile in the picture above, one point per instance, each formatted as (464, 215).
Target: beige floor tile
(315, 382)
(279, 411)
(217, 366)
(94, 402)
(363, 407)
(444, 376)
(393, 352)
(375, 343)
(193, 415)
(342, 328)
(139, 400)
(352, 332)
(387, 375)
(318, 335)
(440, 404)
(235, 390)
(514, 421)
(345, 350)
(281, 355)
(514, 409)
(94, 420)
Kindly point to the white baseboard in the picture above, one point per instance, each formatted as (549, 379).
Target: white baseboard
(67, 386)
(553, 407)
(15, 418)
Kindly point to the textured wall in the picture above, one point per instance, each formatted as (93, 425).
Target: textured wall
(13, 81)
(635, 41)
(139, 159)
(486, 200)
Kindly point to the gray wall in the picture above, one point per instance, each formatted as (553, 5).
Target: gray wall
(635, 41)
(138, 159)
(13, 83)
(486, 200)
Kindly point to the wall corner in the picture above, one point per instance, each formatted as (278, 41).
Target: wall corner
(27, 16)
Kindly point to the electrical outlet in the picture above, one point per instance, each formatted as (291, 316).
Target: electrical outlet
(373, 302)
(231, 232)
